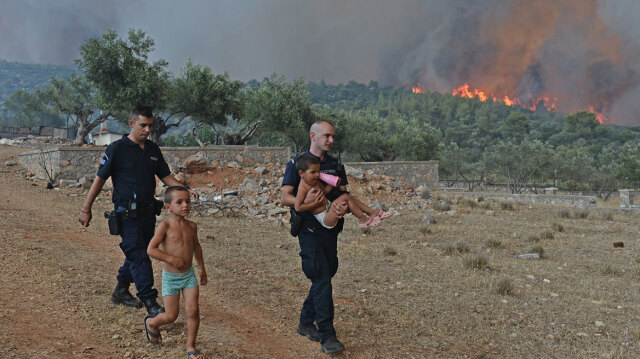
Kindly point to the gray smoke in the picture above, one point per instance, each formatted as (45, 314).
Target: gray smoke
(582, 52)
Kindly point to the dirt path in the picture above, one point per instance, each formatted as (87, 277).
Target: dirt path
(57, 278)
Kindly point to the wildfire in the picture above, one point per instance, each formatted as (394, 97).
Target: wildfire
(533, 103)
(417, 88)
(600, 117)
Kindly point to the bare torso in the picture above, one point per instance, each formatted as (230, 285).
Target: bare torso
(179, 242)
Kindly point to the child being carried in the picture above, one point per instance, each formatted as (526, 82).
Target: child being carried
(308, 167)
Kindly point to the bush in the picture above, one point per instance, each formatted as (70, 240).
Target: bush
(467, 202)
(547, 234)
(609, 270)
(564, 213)
(494, 243)
(503, 286)
(389, 251)
(480, 199)
(462, 246)
(424, 229)
(581, 214)
(425, 194)
(607, 216)
(442, 207)
(486, 205)
(449, 249)
(475, 261)
(507, 206)
(533, 238)
(557, 227)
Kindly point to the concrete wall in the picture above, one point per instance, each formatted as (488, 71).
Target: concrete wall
(416, 173)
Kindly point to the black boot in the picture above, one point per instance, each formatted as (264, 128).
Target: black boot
(122, 296)
(153, 308)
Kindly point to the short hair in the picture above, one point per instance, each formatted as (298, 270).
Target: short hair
(315, 125)
(168, 193)
(141, 110)
(305, 161)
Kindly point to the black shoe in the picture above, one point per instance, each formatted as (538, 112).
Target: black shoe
(310, 331)
(332, 345)
(153, 308)
(122, 296)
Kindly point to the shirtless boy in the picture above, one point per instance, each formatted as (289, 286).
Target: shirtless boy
(308, 167)
(175, 243)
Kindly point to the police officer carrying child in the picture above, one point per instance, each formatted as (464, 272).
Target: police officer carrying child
(318, 245)
(133, 162)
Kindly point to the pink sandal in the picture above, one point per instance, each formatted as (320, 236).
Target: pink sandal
(384, 215)
(372, 222)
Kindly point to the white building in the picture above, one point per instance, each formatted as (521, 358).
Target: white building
(103, 136)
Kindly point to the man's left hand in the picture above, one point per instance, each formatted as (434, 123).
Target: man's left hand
(194, 194)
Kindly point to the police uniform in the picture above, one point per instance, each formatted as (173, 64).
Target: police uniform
(318, 251)
(133, 172)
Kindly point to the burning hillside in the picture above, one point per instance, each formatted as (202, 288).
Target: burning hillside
(539, 55)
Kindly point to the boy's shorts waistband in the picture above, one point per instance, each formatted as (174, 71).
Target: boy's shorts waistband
(178, 275)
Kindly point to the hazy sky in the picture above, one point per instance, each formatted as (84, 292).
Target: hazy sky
(582, 52)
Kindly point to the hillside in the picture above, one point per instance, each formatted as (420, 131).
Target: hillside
(15, 76)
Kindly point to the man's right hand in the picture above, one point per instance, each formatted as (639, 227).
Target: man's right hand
(84, 218)
(314, 195)
(340, 208)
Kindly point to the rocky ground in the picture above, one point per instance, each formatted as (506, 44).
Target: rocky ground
(438, 280)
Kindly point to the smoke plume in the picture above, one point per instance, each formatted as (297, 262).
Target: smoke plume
(584, 53)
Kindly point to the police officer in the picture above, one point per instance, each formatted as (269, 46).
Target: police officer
(132, 162)
(318, 245)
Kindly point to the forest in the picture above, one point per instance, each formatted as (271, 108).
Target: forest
(475, 141)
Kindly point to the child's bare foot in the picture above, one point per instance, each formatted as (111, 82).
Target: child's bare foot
(194, 354)
(153, 334)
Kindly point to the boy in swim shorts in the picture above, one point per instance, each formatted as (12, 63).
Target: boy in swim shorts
(175, 243)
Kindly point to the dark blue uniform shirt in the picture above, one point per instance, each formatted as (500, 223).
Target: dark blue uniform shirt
(133, 170)
(329, 165)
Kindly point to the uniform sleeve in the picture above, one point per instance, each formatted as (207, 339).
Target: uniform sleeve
(342, 173)
(106, 163)
(163, 168)
(291, 176)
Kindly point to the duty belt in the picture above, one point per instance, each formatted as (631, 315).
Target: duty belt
(142, 211)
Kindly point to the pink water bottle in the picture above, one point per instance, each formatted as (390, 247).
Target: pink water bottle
(330, 179)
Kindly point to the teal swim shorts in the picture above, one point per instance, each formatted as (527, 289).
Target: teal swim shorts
(173, 283)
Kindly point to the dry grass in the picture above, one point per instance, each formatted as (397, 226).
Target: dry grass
(547, 234)
(557, 227)
(503, 286)
(475, 261)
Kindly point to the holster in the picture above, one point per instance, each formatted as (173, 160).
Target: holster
(114, 222)
(296, 222)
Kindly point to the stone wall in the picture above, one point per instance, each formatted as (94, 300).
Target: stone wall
(416, 173)
(73, 163)
(576, 201)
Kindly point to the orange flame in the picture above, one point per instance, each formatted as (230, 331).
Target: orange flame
(417, 88)
(600, 117)
(467, 92)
